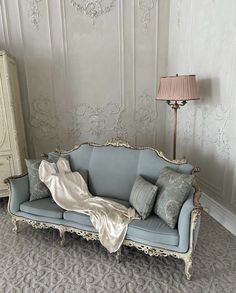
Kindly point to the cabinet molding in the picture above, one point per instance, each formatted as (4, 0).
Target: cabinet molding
(13, 148)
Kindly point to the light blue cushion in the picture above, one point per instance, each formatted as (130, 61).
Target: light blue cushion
(142, 197)
(42, 207)
(174, 188)
(153, 229)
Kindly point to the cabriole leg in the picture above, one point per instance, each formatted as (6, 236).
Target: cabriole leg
(188, 267)
(16, 225)
(62, 236)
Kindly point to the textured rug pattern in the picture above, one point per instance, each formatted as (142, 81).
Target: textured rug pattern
(33, 261)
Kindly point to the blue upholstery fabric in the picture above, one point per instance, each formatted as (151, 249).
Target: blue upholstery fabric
(55, 221)
(54, 156)
(19, 193)
(84, 219)
(184, 221)
(42, 207)
(112, 170)
(174, 188)
(77, 217)
(143, 196)
(154, 229)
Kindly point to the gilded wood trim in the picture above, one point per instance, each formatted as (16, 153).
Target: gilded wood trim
(7, 180)
(150, 250)
(118, 142)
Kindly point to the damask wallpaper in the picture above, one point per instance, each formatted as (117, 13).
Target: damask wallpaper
(88, 69)
(202, 41)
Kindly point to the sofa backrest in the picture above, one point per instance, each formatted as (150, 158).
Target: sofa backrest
(113, 169)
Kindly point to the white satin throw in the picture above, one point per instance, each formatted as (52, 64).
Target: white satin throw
(70, 191)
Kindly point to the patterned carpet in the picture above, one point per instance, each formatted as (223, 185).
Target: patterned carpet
(33, 261)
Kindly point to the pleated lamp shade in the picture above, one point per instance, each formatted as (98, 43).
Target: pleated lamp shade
(178, 88)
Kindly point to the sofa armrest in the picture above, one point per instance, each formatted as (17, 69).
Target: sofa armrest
(19, 192)
(185, 218)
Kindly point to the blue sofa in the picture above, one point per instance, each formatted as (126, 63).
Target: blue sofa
(112, 169)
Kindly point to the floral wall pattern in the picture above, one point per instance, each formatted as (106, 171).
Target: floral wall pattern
(202, 40)
(84, 80)
(93, 80)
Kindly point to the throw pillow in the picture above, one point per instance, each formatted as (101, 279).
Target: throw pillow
(38, 189)
(143, 196)
(173, 188)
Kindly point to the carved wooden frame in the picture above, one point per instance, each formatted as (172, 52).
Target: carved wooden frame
(150, 250)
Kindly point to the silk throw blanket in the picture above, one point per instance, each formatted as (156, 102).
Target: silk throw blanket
(70, 191)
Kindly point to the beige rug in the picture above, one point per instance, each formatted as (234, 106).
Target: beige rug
(33, 261)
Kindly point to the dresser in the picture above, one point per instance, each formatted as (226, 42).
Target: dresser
(13, 149)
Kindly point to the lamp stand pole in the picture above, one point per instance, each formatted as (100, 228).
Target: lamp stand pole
(175, 106)
(175, 132)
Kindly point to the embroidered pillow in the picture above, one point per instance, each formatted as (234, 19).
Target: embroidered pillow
(173, 188)
(142, 197)
(38, 189)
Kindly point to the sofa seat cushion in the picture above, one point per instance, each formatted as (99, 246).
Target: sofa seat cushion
(153, 229)
(77, 218)
(42, 207)
(84, 219)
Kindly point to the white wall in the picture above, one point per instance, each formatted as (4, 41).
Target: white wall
(88, 80)
(202, 41)
(85, 80)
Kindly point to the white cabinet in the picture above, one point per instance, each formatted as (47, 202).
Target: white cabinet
(13, 149)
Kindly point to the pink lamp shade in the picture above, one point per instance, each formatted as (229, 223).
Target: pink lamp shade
(178, 88)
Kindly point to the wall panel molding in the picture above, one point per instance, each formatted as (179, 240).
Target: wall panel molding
(198, 44)
(95, 8)
(34, 13)
(63, 103)
(146, 6)
(222, 215)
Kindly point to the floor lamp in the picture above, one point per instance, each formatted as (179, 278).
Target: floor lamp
(176, 91)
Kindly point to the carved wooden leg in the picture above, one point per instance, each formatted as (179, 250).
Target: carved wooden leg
(16, 225)
(188, 267)
(118, 255)
(62, 236)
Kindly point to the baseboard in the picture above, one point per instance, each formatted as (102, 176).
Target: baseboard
(219, 213)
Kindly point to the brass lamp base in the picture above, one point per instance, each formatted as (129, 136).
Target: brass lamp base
(175, 105)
